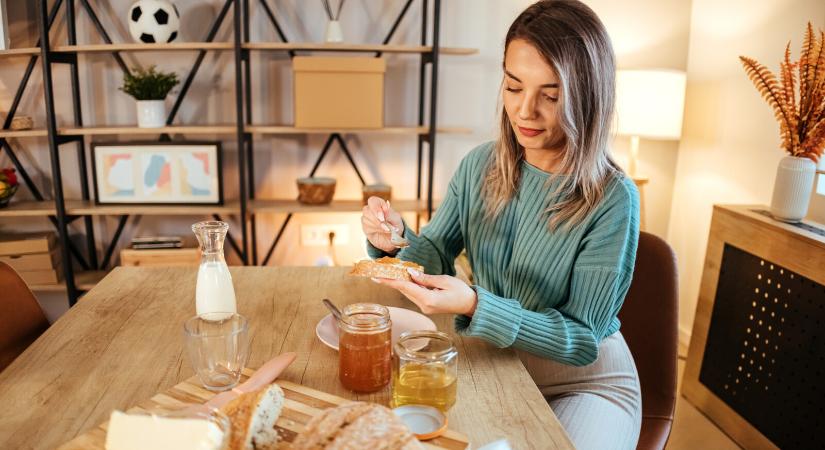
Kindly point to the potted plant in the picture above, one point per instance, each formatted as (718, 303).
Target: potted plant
(799, 106)
(8, 186)
(149, 88)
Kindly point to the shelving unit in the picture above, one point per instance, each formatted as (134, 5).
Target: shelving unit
(61, 212)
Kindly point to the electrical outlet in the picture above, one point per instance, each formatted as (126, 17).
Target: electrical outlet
(317, 235)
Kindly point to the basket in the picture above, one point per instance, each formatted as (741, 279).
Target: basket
(316, 190)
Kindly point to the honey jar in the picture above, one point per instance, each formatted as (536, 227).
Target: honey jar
(365, 347)
(424, 370)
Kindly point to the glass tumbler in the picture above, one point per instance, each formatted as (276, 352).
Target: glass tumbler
(424, 370)
(218, 348)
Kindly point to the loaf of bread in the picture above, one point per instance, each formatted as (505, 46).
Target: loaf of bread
(356, 426)
(386, 267)
(253, 416)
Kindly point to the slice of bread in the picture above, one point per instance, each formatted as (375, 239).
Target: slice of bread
(253, 416)
(356, 426)
(386, 267)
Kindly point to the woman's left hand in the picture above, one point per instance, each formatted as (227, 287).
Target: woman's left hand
(436, 294)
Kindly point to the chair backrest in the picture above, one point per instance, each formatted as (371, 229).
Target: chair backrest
(649, 320)
(21, 319)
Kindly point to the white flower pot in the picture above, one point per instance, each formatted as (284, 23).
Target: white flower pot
(792, 189)
(334, 32)
(151, 113)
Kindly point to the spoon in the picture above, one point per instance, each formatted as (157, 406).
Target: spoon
(332, 308)
(395, 238)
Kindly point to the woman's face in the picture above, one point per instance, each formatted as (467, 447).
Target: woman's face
(530, 94)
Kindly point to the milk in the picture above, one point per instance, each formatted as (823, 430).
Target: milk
(214, 291)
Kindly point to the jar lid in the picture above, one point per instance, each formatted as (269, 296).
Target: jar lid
(424, 421)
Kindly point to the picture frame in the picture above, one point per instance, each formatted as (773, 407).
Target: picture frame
(4, 26)
(157, 173)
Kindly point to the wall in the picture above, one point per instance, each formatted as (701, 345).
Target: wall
(730, 141)
(645, 35)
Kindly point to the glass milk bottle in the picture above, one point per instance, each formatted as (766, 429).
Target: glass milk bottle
(214, 291)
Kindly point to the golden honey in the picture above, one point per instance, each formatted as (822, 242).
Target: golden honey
(424, 370)
(424, 384)
(365, 347)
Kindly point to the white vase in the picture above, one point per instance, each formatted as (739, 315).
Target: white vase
(334, 32)
(792, 189)
(151, 113)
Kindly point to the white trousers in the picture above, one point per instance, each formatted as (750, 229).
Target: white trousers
(599, 405)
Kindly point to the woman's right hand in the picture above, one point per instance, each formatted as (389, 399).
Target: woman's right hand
(372, 222)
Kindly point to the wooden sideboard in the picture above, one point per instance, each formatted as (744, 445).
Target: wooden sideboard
(757, 352)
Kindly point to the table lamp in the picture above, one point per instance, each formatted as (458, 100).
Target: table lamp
(649, 104)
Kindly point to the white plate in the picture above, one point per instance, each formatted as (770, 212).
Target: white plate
(402, 320)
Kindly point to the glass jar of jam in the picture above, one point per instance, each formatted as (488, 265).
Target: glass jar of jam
(424, 370)
(365, 347)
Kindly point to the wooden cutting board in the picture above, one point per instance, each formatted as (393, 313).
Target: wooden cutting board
(302, 403)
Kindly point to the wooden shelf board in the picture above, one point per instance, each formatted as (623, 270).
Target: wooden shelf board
(26, 51)
(23, 133)
(228, 129)
(88, 208)
(83, 280)
(365, 48)
(140, 47)
(28, 209)
(284, 206)
(125, 129)
(286, 129)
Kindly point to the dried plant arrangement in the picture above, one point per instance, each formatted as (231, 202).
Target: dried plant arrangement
(801, 115)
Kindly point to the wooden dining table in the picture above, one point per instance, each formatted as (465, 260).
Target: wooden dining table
(123, 342)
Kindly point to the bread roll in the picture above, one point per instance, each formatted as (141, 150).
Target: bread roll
(356, 426)
(386, 267)
(253, 416)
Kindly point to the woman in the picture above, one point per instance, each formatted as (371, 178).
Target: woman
(550, 226)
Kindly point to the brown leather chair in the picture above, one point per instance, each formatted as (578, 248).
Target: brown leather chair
(650, 327)
(21, 319)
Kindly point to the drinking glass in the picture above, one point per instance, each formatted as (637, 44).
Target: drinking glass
(218, 348)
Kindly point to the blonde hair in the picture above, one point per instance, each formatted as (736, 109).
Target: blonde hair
(572, 39)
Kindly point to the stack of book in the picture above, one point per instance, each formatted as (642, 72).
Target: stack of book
(159, 252)
(34, 256)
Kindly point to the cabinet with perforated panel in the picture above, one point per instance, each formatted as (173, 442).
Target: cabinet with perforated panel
(756, 363)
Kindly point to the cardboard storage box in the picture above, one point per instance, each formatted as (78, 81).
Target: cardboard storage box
(26, 243)
(339, 92)
(33, 261)
(34, 256)
(41, 277)
(160, 257)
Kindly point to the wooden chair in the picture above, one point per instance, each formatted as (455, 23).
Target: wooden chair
(649, 319)
(21, 319)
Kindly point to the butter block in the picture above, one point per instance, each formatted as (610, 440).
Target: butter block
(143, 432)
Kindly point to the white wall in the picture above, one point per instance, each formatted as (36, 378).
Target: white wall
(730, 141)
(645, 34)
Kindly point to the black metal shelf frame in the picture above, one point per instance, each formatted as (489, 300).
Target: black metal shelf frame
(428, 59)
(243, 110)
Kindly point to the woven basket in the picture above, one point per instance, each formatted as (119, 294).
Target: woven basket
(316, 190)
(21, 123)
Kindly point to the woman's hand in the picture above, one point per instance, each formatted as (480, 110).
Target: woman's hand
(436, 294)
(372, 217)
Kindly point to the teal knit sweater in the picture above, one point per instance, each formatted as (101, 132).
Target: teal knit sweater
(556, 293)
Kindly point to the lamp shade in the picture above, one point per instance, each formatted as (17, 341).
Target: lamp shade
(650, 103)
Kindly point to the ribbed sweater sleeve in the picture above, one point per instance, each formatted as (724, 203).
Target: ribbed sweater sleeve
(572, 331)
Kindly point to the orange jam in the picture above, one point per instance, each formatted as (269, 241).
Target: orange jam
(365, 347)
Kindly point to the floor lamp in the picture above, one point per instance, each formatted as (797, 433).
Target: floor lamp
(649, 104)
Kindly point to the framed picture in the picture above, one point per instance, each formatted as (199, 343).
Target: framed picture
(157, 173)
(4, 26)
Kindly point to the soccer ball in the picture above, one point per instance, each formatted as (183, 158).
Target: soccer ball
(152, 21)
